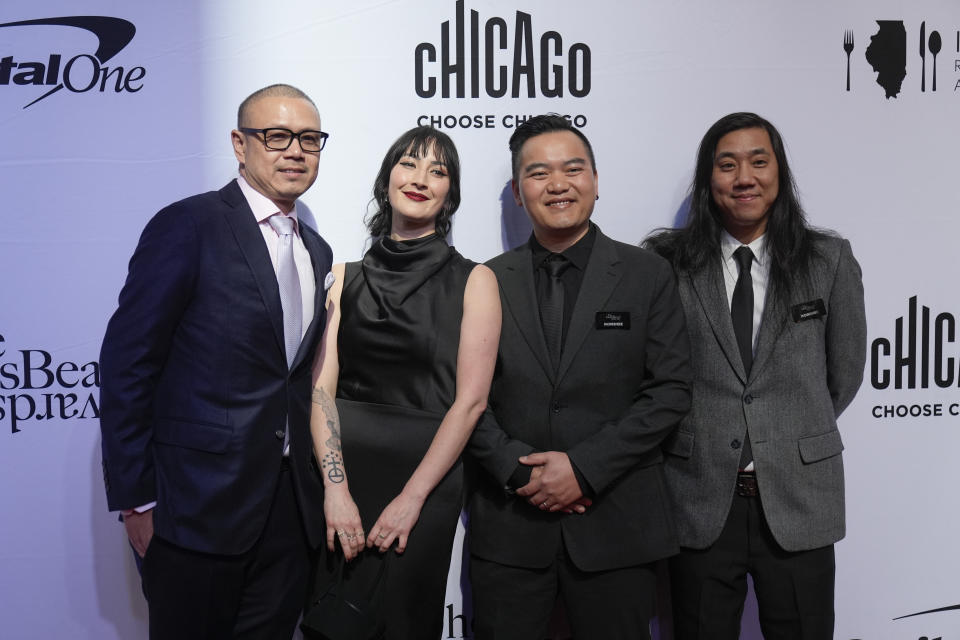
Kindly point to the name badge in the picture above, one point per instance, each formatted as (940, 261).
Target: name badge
(612, 320)
(809, 310)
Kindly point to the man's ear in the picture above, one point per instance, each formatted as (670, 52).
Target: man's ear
(516, 193)
(239, 150)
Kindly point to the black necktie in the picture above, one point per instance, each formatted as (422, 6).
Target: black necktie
(551, 305)
(741, 310)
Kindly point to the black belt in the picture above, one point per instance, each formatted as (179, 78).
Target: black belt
(747, 484)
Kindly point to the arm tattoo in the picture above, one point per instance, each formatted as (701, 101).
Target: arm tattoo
(321, 399)
(333, 465)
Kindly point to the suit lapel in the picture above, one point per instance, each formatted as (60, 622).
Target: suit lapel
(772, 323)
(708, 286)
(250, 239)
(520, 296)
(319, 298)
(602, 274)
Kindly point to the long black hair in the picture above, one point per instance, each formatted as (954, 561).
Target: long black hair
(789, 243)
(416, 142)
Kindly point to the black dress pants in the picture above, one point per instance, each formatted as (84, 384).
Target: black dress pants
(255, 595)
(794, 589)
(515, 603)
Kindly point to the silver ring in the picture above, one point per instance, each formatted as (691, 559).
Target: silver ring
(381, 536)
(340, 532)
(543, 504)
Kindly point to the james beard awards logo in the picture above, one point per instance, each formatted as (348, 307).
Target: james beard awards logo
(36, 387)
(888, 52)
(921, 354)
(498, 58)
(78, 73)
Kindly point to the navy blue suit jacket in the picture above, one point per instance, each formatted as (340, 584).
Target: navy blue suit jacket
(195, 385)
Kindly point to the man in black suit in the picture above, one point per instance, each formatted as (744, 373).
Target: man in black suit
(592, 375)
(206, 389)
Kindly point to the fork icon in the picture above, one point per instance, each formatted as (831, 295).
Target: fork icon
(848, 47)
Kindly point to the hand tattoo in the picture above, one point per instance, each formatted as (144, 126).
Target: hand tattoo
(333, 465)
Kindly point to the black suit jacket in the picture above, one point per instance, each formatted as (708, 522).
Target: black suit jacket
(195, 385)
(618, 392)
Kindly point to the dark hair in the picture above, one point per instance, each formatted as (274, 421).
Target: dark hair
(272, 91)
(789, 238)
(416, 142)
(538, 125)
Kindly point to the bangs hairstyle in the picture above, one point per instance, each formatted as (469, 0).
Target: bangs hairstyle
(416, 142)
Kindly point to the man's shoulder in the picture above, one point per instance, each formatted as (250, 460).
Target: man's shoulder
(632, 254)
(196, 210)
(828, 248)
(827, 240)
(195, 204)
(203, 201)
(509, 259)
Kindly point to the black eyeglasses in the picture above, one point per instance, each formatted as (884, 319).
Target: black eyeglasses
(278, 139)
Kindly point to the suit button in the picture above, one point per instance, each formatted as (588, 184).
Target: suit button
(734, 444)
(279, 434)
(748, 399)
(556, 407)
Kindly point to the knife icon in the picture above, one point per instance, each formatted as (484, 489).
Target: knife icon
(923, 53)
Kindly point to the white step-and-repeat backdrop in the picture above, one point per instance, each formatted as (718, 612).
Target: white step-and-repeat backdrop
(110, 110)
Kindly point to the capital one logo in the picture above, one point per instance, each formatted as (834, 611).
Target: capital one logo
(496, 57)
(79, 73)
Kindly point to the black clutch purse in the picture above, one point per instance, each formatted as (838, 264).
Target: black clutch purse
(335, 616)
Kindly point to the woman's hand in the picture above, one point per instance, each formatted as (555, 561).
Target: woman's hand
(343, 521)
(395, 523)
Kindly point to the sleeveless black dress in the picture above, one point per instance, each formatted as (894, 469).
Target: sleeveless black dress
(399, 334)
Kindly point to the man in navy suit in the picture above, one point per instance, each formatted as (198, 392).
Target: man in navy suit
(206, 389)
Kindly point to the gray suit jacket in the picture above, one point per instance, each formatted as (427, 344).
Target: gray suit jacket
(620, 390)
(805, 373)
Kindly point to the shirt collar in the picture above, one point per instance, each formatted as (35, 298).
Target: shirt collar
(729, 244)
(262, 206)
(578, 253)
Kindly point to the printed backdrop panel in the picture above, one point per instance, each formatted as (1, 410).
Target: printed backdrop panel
(108, 119)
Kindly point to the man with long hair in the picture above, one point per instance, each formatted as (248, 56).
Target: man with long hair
(776, 319)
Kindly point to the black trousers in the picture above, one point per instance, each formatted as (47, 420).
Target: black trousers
(515, 603)
(794, 589)
(256, 595)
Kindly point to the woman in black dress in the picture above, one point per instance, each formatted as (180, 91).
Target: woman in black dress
(408, 353)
